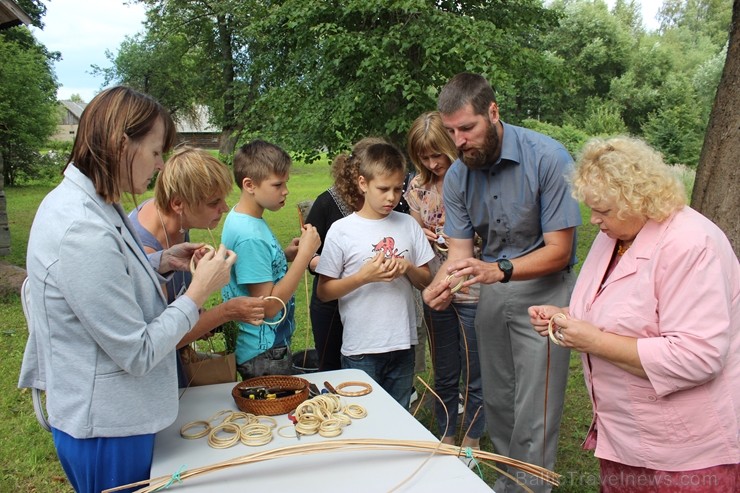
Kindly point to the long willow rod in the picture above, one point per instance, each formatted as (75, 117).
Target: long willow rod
(343, 445)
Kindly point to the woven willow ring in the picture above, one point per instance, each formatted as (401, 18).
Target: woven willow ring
(557, 340)
(330, 428)
(224, 435)
(222, 416)
(441, 244)
(355, 411)
(285, 310)
(192, 259)
(269, 419)
(281, 431)
(242, 418)
(206, 429)
(458, 286)
(255, 434)
(366, 389)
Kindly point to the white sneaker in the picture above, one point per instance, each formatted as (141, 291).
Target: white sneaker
(470, 463)
(414, 397)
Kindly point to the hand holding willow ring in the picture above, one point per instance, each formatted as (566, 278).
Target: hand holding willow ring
(557, 340)
(285, 310)
(458, 286)
(192, 259)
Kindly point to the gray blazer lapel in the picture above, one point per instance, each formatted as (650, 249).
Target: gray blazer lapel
(132, 240)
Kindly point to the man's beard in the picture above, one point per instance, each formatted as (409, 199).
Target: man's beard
(487, 154)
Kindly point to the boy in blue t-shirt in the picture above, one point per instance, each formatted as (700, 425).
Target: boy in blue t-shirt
(262, 171)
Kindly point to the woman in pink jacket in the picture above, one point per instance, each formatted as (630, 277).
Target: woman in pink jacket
(656, 315)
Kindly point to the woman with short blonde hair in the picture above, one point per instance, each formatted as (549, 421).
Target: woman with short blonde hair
(190, 193)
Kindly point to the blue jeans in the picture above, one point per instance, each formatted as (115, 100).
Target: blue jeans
(454, 349)
(394, 371)
(96, 464)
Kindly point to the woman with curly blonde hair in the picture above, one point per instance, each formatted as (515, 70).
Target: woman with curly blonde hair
(631, 173)
(340, 200)
(656, 315)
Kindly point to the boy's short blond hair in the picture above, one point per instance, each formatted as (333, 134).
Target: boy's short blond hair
(258, 160)
(194, 176)
(381, 159)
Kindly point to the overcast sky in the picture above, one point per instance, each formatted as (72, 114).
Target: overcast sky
(82, 30)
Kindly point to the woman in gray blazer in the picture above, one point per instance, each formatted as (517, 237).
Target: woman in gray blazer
(103, 345)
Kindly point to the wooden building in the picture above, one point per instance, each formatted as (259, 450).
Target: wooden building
(12, 15)
(195, 131)
(71, 111)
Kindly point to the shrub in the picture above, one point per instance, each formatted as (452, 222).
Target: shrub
(568, 135)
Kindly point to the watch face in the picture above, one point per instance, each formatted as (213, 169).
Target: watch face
(507, 268)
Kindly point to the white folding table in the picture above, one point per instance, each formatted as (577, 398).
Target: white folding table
(354, 471)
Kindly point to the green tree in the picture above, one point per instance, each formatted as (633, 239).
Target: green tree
(629, 13)
(677, 132)
(603, 118)
(27, 101)
(219, 56)
(337, 71)
(706, 79)
(711, 18)
(314, 74)
(595, 47)
(164, 67)
(679, 65)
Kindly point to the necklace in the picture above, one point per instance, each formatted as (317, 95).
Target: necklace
(164, 229)
(167, 244)
(622, 248)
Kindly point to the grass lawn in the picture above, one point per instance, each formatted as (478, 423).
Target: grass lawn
(29, 461)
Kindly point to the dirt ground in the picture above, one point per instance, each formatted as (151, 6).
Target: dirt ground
(11, 278)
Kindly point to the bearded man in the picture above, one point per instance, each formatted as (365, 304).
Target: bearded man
(510, 186)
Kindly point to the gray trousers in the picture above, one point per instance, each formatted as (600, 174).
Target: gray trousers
(513, 358)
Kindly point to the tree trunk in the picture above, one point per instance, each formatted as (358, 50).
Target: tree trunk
(227, 141)
(230, 131)
(4, 225)
(716, 189)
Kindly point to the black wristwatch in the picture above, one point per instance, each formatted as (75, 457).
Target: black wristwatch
(507, 268)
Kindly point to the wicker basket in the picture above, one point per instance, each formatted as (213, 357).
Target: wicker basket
(271, 407)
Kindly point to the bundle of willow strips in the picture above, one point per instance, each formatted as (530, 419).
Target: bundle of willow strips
(434, 447)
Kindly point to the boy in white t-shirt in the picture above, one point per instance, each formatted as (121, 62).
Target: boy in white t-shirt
(369, 262)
